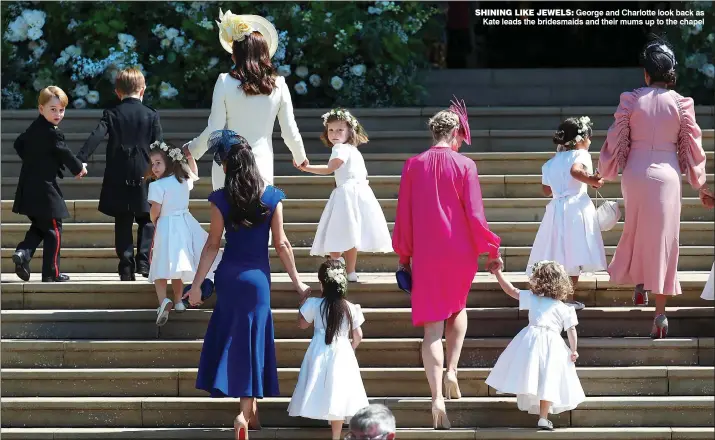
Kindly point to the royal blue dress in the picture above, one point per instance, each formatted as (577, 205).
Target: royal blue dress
(238, 358)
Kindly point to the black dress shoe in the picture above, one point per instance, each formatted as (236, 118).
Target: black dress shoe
(22, 266)
(127, 277)
(143, 270)
(58, 279)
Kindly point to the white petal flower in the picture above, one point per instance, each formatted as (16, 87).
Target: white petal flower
(126, 41)
(336, 82)
(80, 91)
(358, 69)
(172, 33)
(315, 80)
(302, 71)
(79, 103)
(34, 18)
(284, 70)
(179, 42)
(34, 33)
(708, 70)
(17, 30)
(92, 97)
(159, 30)
(301, 88)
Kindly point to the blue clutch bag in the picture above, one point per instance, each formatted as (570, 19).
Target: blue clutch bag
(207, 290)
(404, 280)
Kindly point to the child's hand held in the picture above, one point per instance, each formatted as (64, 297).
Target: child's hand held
(574, 356)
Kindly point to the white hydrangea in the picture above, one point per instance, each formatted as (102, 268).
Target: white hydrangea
(127, 42)
(179, 42)
(165, 43)
(301, 88)
(34, 18)
(213, 61)
(37, 48)
(708, 70)
(79, 103)
(336, 82)
(34, 33)
(167, 91)
(315, 80)
(302, 71)
(17, 30)
(159, 30)
(80, 91)
(73, 24)
(374, 11)
(358, 69)
(284, 70)
(206, 23)
(92, 97)
(172, 33)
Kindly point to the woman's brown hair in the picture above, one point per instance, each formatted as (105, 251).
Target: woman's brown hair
(549, 278)
(172, 167)
(253, 65)
(356, 136)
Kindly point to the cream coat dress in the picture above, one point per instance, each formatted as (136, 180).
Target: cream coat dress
(252, 117)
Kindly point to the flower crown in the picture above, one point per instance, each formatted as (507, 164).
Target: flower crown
(341, 115)
(584, 130)
(232, 27)
(339, 276)
(174, 153)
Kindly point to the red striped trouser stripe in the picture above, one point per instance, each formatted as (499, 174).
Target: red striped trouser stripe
(57, 249)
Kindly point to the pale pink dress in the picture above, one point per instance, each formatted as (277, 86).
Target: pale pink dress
(440, 224)
(654, 140)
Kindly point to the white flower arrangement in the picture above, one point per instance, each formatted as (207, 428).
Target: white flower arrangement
(338, 275)
(584, 126)
(302, 71)
(167, 91)
(92, 97)
(284, 70)
(127, 42)
(336, 82)
(174, 153)
(79, 103)
(358, 69)
(315, 80)
(301, 88)
(232, 27)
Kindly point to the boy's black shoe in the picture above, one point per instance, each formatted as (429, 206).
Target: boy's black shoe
(143, 270)
(58, 279)
(22, 266)
(127, 277)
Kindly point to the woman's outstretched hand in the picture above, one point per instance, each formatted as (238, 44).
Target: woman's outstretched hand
(495, 264)
(305, 163)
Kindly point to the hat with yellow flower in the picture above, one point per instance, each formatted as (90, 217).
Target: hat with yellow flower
(233, 27)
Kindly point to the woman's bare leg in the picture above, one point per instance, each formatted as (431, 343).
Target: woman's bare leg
(433, 357)
(454, 333)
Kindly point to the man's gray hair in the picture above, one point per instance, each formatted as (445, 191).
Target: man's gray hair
(373, 415)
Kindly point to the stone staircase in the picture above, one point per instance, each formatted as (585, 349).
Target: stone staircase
(84, 360)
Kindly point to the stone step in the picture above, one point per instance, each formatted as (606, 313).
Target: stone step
(601, 433)
(309, 210)
(378, 382)
(320, 187)
(692, 258)
(394, 141)
(102, 291)
(378, 164)
(379, 323)
(694, 411)
(98, 235)
(372, 353)
(373, 119)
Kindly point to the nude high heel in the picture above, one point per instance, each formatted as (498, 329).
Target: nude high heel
(451, 386)
(240, 428)
(439, 415)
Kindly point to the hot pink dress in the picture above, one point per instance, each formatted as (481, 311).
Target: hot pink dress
(654, 140)
(441, 226)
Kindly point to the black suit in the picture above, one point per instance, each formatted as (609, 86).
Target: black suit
(132, 127)
(43, 152)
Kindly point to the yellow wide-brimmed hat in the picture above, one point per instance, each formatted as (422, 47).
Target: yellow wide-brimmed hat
(234, 27)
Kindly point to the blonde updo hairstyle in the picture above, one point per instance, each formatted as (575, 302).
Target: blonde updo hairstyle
(444, 126)
(549, 278)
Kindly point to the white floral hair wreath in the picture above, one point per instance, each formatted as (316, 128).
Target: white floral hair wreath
(176, 155)
(585, 127)
(339, 276)
(342, 115)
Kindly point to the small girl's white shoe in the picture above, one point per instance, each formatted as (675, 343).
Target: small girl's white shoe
(162, 315)
(180, 307)
(353, 277)
(545, 425)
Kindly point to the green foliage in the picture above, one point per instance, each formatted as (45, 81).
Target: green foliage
(352, 54)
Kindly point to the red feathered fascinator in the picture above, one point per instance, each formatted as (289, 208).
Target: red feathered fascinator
(460, 109)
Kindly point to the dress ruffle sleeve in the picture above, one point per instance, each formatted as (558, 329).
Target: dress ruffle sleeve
(402, 233)
(614, 152)
(691, 156)
(484, 240)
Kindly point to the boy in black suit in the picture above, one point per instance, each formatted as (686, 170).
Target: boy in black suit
(132, 127)
(43, 152)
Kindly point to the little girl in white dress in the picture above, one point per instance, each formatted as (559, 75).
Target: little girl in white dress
(569, 232)
(329, 384)
(178, 237)
(537, 365)
(353, 219)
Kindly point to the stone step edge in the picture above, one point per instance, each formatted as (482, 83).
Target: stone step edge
(12, 344)
(605, 433)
